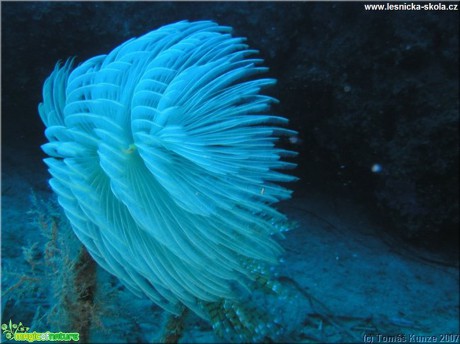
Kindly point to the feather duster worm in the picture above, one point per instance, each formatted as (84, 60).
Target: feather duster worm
(163, 158)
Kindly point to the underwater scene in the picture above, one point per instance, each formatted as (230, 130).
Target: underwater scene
(220, 172)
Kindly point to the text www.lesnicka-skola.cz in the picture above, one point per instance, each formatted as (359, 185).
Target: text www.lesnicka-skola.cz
(411, 6)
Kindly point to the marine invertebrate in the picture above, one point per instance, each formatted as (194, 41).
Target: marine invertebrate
(163, 158)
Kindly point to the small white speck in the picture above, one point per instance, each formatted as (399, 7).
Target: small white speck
(376, 168)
